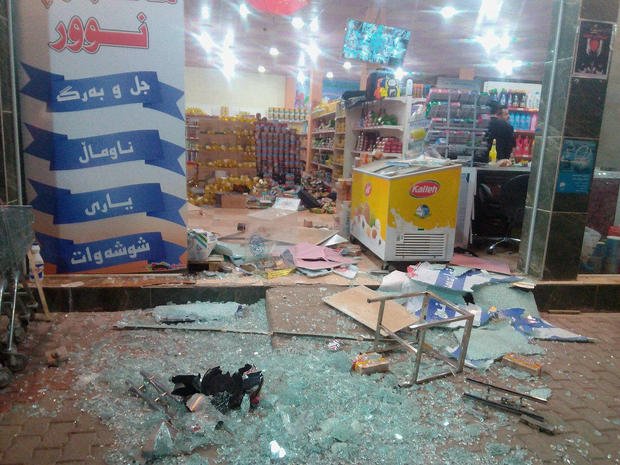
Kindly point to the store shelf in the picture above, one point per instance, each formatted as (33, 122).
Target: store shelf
(525, 110)
(386, 154)
(452, 128)
(324, 115)
(380, 128)
(402, 100)
(325, 131)
(323, 149)
(291, 121)
(321, 165)
(340, 133)
(524, 131)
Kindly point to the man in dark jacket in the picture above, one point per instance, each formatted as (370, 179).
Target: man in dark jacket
(503, 133)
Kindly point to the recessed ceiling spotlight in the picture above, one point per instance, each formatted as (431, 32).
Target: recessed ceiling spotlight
(205, 12)
(229, 39)
(313, 51)
(506, 66)
(261, 69)
(490, 9)
(347, 65)
(448, 12)
(314, 24)
(205, 40)
(301, 77)
(244, 11)
(399, 74)
(329, 75)
(274, 52)
(297, 22)
(302, 60)
(229, 62)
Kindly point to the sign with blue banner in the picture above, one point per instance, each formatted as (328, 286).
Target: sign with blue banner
(576, 166)
(67, 207)
(62, 94)
(72, 154)
(70, 257)
(102, 112)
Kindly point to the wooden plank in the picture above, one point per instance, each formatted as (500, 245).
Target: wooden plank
(354, 302)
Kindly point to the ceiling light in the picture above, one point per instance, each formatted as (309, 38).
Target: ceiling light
(297, 22)
(506, 66)
(347, 65)
(302, 60)
(229, 39)
(313, 51)
(329, 75)
(205, 41)
(448, 12)
(243, 10)
(314, 24)
(491, 41)
(490, 9)
(261, 69)
(229, 62)
(205, 12)
(399, 74)
(274, 52)
(301, 77)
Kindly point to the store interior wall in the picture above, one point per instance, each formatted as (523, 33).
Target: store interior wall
(8, 162)
(608, 156)
(209, 90)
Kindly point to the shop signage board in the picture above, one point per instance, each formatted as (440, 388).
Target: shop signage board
(103, 133)
(576, 166)
(593, 50)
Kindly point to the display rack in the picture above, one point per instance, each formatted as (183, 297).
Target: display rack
(458, 122)
(278, 149)
(219, 147)
(376, 129)
(326, 133)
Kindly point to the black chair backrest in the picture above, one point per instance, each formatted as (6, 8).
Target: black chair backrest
(513, 195)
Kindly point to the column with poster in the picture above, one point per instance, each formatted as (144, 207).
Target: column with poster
(102, 86)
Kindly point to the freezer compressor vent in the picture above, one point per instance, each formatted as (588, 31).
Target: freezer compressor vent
(422, 246)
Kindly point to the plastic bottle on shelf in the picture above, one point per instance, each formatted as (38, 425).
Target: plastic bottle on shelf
(39, 265)
(493, 152)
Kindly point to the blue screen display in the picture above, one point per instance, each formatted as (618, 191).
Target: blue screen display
(375, 43)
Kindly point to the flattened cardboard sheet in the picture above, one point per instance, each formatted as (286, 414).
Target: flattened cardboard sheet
(353, 302)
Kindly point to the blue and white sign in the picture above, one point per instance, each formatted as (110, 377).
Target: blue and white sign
(102, 105)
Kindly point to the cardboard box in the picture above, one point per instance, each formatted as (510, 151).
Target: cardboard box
(230, 200)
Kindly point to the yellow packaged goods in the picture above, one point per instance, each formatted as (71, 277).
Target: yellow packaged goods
(370, 362)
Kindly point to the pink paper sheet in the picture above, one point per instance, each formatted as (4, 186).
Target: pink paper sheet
(316, 257)
(480, 263)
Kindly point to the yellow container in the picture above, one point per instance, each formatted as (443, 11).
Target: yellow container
(405, 211)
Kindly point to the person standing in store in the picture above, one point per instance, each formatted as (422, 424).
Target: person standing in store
(502, 132)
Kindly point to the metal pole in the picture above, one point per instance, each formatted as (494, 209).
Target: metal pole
(18, 162)
(543, 145)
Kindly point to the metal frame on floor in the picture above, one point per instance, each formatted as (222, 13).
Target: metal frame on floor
(420, 329)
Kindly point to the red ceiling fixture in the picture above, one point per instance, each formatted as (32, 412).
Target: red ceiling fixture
(279, 7)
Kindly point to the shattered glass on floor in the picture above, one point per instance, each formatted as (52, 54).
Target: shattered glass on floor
(316, 410)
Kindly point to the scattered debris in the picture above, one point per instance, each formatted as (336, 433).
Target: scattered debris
(370, 362)
(514, 361)
(57, 356)
(160, 444)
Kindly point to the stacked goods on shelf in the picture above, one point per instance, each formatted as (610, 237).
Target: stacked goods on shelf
(323, 140)
(458, 121)
(287, 114)
(221, 156)
(277, 151)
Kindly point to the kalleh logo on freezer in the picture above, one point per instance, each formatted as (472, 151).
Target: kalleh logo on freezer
(424, 189)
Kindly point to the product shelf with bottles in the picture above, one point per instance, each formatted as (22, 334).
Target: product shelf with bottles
(458, 121)
(327, 131)
(376, 129)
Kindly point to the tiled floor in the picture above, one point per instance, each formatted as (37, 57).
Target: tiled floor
(584, 378)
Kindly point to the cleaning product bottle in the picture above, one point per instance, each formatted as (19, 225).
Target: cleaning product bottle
(493, 153)
(38, 262)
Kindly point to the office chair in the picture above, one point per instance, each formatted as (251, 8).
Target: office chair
(512, 208)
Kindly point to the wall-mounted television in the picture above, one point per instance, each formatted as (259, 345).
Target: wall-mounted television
(375, 43)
